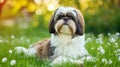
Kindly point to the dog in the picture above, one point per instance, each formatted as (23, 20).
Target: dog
(67, 40)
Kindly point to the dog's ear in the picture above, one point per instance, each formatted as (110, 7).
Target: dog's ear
(52, 23)
(80, 23)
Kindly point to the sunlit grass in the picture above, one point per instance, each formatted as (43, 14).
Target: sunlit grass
(105, 49)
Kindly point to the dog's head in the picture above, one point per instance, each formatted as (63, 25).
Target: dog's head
(67, 20)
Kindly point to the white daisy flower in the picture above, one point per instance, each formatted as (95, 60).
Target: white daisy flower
(101, 50)
(10, 51)
(109, 34)
(100, 35)
(88, 40)
(117, 34)
(1, 41)
(104, 60)
(89, 59)
(117, 52)
(112, 40)
(13, 62)
(110, 61)
(4, 59)
(99, 41)
(119, 58)
(116, 44)
(12, 36)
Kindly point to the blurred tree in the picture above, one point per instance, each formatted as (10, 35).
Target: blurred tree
(100, 15)
(2, 3)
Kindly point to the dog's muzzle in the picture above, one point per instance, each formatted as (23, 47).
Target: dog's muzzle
(65, 20)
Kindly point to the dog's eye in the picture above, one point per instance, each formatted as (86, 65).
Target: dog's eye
(60, 16)
(69, 15)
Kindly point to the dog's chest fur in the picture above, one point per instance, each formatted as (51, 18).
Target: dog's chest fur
(68, 46)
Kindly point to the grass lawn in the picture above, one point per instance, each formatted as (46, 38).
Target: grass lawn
(105, 49)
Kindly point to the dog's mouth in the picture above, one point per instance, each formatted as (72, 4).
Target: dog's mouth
(65, 27)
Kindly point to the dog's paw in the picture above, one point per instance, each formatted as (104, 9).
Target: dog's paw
(21, 50)
(28, 52)
(63, 59)
(79, 62)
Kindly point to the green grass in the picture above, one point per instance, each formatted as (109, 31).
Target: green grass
(10, 38)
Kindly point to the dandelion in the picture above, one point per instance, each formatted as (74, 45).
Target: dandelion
(100, 35)
(99, 41)
(117, 52)
(112, 40)
(4, 59)
(117, 34)
(101, 50)
(13, 62)
(110, 61)
(89, 59)
(88, 40)
(1, 41)
(116, 44)
(104, 60)
(12, 36)
(119, 58)
(10, 51)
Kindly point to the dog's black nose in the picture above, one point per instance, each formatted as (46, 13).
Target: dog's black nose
(65, 19)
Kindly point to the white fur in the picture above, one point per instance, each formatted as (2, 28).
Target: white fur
(68, 49)
(63, 59)
(21, 49)
(29, 52)
(67, 46)
(65, 10)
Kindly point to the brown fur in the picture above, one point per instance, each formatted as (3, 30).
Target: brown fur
(81, 19)
(42, 48)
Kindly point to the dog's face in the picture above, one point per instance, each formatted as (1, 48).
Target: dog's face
(67, 20)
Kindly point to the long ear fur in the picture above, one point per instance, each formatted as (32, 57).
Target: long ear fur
(80, 24)
(51, 23)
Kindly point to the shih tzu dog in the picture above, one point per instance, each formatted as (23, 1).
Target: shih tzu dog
(67, 38)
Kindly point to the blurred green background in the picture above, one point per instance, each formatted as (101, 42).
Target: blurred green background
(101, 16)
